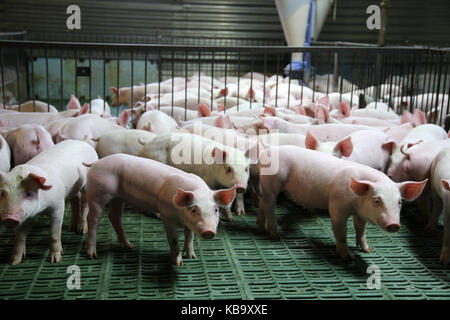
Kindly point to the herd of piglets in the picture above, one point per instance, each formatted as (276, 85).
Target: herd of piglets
(189, 150)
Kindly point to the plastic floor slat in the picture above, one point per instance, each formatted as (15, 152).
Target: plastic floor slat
(240, 263)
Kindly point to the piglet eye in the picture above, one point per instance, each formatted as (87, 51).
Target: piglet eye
(2, 194)
(229, 169)
(376, 202)
(28, 194)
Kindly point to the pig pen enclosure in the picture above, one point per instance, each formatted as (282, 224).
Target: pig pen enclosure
(240, 262)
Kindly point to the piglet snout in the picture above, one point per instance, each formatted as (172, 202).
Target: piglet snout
(11, 220)
(392, 227)
(208, 234)
(240, 188)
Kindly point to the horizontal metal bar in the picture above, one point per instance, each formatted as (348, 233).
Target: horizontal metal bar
(201, 48)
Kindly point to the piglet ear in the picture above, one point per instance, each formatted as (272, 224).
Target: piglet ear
(114, 89)
(203, 110)
(84, 109)
(73, 104)
(344, 147)
(410, 190)
(309, 110)
(220, 122)
(419, 117)
(321, 115)
(389, 146)
(359, 187)
(344, 108)
(227, 124)
(123, 118)
(270, 111)
(225, 196)
(446, 184)
(218, 155)
(407, 117)
(311, 142)
(269, 124)
(183, 198)
(300, 110)
(324, 101)
(38, 181)
(224, 92)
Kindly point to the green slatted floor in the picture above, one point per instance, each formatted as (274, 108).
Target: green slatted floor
(239, 263)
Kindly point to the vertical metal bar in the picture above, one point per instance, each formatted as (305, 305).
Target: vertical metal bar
(314, 75)
(199, 71)
(32, 77)
(425, 76)
(439, 65)
(225, 95)
(212, 80)
(303, 77)
(18, 79)
(251, 77)
(446, 63)
(173, 66)
(118, 83)
(391, 77)
(336, 71)
(239, 77)
(61, 78)
(448, 94)
(351, 87)
(159, 79)
(276, 88)
(289, 84)
(90, 80)
(3, 76)
(328, 71)
(145, 77)
(341, 58)
(46, 79)
(265, 71)
(132, 80)
(104, 81)
(185, 84)
(76, 77)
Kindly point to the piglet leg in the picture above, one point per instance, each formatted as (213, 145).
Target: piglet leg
(360, 230)
(189, 243)
(239, 204)
(56, 220)
(172, 238)
(433, 219)
(115, 216)
(340, 233)
(76, 213)
(445, 255)
(83, 225)
(19, 245)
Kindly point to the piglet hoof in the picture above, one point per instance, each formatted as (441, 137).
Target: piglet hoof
(178, 261)
(367, 249)
(56, 256)
(444, 256)
(126, 244)
(240, 212)
(344, 253)
(274, 235)
(91, 252)
(15, 260)
(82, 228)
(190, 255)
